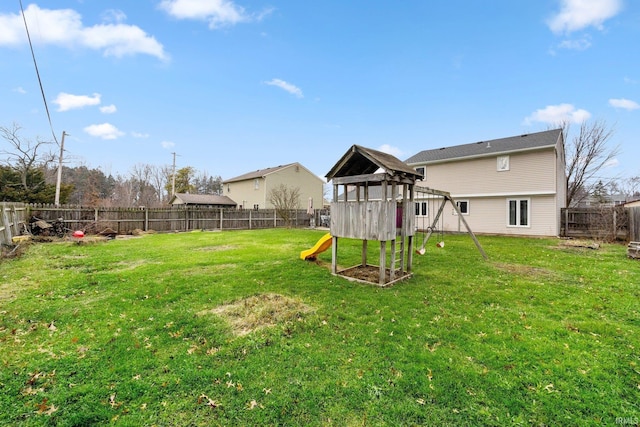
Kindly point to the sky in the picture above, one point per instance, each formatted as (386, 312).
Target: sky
(233, 86)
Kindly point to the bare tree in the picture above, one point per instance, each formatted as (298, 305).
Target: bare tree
(285, 200)
(142, 177)
(630, 187)
(586, 154)
(158, 179)
(24, 155)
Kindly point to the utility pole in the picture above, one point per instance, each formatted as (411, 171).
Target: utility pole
(173, 176)
(59, 178)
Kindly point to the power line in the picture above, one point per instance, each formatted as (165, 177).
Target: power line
(44, 98)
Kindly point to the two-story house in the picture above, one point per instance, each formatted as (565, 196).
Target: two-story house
(251, 190)
(515, 185)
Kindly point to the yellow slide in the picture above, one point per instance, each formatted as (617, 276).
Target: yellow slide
(322, 245)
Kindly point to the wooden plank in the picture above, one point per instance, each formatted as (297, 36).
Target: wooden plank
(383, 263)
(374, 178)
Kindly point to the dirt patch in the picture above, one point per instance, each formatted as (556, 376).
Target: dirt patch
(525, 270)
(588, 244)
(260, 311)
(368, 273)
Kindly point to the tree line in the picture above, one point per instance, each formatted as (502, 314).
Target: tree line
(28, 173)
(28, 170)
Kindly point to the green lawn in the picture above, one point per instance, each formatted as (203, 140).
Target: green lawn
(133, 332)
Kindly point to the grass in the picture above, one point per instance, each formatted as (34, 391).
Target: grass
(231, 328)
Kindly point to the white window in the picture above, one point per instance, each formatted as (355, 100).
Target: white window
(228, 188)
(503, 163)
(421, 209)
(256, 184)
(518, 212)
(422, 170)
(463, 207)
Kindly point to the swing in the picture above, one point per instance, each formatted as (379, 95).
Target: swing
(446, 197)
(430, 229)
(440, 243)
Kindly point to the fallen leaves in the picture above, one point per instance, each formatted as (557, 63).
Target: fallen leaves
(254, 404)
(44, 408)
(204, 399)
(113, 403)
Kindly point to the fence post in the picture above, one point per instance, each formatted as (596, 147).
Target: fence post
(250, 220)
(220, 219)
(7, 228)
(275, 219)
(14, 220)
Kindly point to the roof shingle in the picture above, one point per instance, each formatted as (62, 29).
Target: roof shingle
(257, 174)
(203, 199)
(547, 138)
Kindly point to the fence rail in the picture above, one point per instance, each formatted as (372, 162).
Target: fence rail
(606, 223)
(182, 218)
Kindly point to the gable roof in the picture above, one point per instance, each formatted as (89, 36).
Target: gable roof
(525, 142)
(360, 160)
(202, 199)
(261, 173)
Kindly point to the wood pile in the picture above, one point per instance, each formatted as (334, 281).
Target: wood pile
(633, 250)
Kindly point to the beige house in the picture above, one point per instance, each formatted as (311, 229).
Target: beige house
(251, 190)
(513, 185)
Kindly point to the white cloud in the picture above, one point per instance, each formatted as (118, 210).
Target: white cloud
(625, 104)
(218, 13)
(108, 109)
(292, 89)
(114, 15)
(556, 114)
(139, 135)
(20, 89)
(167, 144)
(390, 149)
(67, 101)
(64, 27)
(576, 15)
(612, 163)
(104, 131)
(583, 43)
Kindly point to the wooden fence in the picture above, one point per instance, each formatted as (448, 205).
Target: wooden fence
(182, 218)
(13, 217)
(607, 223)
(634, 224)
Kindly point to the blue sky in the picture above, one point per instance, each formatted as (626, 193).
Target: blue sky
(235, 86)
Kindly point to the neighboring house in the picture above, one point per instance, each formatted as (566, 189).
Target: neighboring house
(202, 200)
(632, 204)
(601, 201)
(514, 185)
(251, 190)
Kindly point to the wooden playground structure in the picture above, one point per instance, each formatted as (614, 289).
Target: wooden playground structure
(377, 203)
